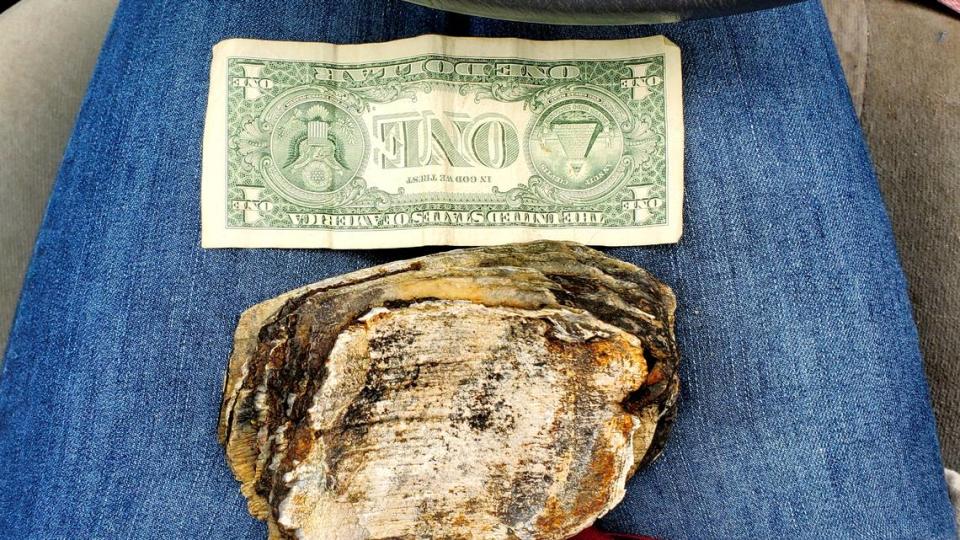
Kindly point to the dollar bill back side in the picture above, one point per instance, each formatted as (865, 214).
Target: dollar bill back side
(441, 140)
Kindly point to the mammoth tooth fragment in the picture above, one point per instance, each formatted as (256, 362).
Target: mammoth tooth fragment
(500, 392)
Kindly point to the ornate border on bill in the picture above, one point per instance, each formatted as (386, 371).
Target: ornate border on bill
(440, 140)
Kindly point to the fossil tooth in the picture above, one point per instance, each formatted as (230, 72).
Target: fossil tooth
(501, 392)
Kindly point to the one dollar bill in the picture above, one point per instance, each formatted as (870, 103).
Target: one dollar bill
(443, 141)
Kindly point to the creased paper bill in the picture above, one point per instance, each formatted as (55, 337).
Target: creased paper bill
(443, 141)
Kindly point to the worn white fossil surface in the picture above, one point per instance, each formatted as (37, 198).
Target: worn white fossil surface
(501, 392)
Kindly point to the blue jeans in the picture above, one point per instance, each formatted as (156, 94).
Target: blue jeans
(804, 411)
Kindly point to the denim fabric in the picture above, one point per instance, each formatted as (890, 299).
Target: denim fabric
(804, 411)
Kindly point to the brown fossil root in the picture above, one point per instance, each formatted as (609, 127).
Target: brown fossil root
(500, 392)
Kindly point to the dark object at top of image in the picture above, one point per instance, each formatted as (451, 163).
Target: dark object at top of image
(600, 11)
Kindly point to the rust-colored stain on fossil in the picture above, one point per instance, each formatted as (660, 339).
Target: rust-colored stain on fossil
(503, 392)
